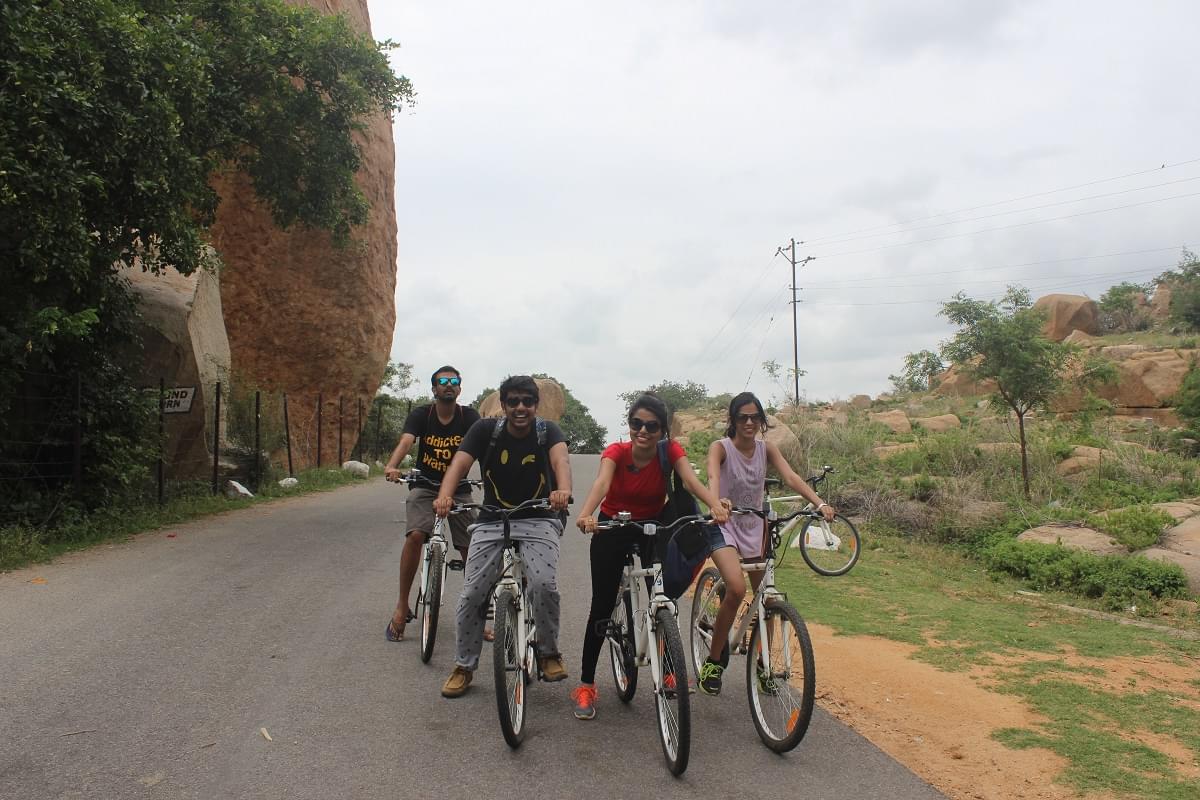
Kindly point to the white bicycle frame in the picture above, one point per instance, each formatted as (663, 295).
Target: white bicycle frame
(512, 579)
(633, 580)
(831, 540)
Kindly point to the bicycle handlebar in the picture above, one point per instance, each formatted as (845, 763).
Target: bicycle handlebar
(415, 478)
(528, 505)
(622, 519)
(758, 512)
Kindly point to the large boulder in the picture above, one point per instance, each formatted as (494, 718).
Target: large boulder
(955, 382)
(302, 315)
(785, 439)
(1074, 537)
(940, 423)
(551, 404)
(895, 419)
(1147, 378)
(1160, 302)
(1066, 313)
(182, 332)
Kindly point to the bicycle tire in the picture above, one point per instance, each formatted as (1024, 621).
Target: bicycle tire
(431, 602)
(621, 650)
(509, 671)
(671, 701)
(706, 601)
(781, 704)
(830, 555)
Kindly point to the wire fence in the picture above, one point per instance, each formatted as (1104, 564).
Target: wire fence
(196, 439)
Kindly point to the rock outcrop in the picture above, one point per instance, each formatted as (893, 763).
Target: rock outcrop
(551, 401)
(896, 420)
(302, 315)
(940, 423)
(955, 382)
(184, 344)
(1066, 313)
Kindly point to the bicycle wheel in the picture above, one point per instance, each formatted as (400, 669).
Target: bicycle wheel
(781, 701)
(431, 601)
(706, 601)
(509, 671)
(621, 650)
(671, 703)
(830, 548)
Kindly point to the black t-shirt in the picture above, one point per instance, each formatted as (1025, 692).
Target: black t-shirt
(517, 469)
(438, 442)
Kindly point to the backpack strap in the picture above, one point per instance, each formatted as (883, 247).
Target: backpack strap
(663, 463)
(496, 430)
(541, 428)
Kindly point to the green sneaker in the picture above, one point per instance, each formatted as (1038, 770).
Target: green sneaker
(710, 676)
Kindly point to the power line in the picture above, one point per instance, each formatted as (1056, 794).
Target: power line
(990, 280)
(1014, 266)
(1010, 227)
(733, 313)
(758, 352)
(1016, 211)
(1004, 202)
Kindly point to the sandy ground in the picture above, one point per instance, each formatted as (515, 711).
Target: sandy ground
(939, 724)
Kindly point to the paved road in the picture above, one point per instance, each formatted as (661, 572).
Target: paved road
(147, 669)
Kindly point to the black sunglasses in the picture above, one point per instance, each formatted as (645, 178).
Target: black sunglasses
(512, 401)
(742, 419)
(444, 381)
(651, 426)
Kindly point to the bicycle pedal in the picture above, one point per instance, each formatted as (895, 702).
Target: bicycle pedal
(455, 565)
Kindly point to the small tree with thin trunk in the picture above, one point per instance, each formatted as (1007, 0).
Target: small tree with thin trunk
(1003, 341)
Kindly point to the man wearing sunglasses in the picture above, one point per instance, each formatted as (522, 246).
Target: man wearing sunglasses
(520, 459)
(439, 427)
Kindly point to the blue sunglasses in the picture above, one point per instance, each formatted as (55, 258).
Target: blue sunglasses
(444, 381)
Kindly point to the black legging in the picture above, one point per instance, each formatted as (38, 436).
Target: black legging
(608, 551)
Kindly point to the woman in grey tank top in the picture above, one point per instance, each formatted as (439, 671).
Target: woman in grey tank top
(737, 469)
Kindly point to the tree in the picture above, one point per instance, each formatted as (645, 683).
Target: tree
(677, 396)
(774, 370)
(398, 378)
(919, 374)
(1003, 342)
(1120, 309)
(1185, 290)
(114, 115)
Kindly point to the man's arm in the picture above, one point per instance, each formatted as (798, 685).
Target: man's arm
(560, 462)
(392, 471)
(460, 465)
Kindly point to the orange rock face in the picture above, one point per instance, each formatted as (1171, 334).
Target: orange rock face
(302, 315)
(1067, 313)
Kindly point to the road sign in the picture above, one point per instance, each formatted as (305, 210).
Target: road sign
(178, 399)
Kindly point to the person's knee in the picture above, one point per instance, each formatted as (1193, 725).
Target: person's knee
(734, 592)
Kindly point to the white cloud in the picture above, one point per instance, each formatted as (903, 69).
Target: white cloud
(592, 190)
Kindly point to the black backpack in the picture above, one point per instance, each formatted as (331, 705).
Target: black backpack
(540, 429)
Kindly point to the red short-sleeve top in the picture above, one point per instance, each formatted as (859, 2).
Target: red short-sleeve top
(641, 492)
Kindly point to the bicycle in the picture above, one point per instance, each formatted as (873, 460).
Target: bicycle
(829, 548)
(515, 660)
(780, 668)
(634, 620)
(434, 566)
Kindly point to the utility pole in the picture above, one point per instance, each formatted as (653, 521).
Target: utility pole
(790, 253)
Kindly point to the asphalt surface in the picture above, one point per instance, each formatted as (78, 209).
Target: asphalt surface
(151, 668)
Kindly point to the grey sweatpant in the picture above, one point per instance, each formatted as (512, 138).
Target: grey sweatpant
(485, 560)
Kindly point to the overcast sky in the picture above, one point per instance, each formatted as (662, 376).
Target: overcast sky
(598, 190)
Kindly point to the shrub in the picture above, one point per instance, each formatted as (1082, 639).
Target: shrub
(1115, 580)
(1136, 527)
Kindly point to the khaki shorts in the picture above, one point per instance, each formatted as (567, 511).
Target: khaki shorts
(419, 516)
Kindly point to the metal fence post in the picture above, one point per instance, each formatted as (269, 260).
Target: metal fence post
(358, 433)
(340, 425)
(378, 428)
(257, 439)
(319, 415)
(287, 435)
(77, 459)
(162, 444)
(216, 437)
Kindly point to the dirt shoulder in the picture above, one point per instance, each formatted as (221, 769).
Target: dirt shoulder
(940, 724)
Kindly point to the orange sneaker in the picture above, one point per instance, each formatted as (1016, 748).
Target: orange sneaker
(584, 696)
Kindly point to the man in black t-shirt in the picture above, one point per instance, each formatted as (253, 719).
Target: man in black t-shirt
(517, 468)
(439, 428)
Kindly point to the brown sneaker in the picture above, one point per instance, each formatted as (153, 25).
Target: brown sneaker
(456, 685)
(553, 669)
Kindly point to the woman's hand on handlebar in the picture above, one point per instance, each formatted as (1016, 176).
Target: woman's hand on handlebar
(720, 512)
(827, 511)
(586, 524)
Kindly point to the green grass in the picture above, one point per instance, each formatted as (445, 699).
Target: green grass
(960, 617)
(21, 546)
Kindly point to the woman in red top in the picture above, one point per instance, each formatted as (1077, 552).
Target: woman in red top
(630, 480)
